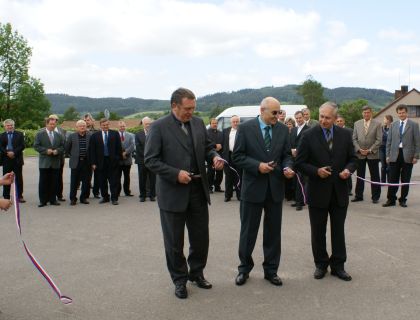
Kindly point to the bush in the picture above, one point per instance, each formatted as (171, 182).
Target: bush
(29, 137)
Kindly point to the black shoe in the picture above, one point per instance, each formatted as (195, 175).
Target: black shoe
(320, 273)
(299, 208)
(273, 279)
(218, 190)
(294, 204)
(104, 200)
(227, 199)
(152, 199)
(84, 201)
(341, 274)
(115, 202)
(389, 203)
(356, 199)
(210, 190)
(181, 291)
(142, 199)
(238, 197)
(201, 282)
(73, 202)
(61, 199)
(350, 193)
(129, 195)
(42, 205)
(96, 196)
(21, 200)
(241, 278)
(403, 203)
(375, 201)
(55, 203)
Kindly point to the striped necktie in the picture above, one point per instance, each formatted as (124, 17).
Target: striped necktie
(328, 136)
(267, 138)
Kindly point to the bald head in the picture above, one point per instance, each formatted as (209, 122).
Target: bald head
(146, 122)
(269, 109)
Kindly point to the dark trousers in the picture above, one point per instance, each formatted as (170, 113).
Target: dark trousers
(384, 164)
(298, 193)
(373, 165)
(10, 165)
(397, 170)
(319, 219)
(60, 180)
(146, 175)
(108, 175)
(289, 189)
(80, 176)
(96, 185)
(196, 218)
(124, 170)
(232, 181)
(47, 187)
(214, 177)
(250, 223)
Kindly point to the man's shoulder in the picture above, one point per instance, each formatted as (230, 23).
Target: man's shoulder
(250, 123)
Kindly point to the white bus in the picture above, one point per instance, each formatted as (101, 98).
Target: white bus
(248, 112)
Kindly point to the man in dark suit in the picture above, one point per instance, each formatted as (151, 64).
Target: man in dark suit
(12, 144)
(215, 177)
(341, 122)
(326, 155)
(402, 152)
(176, 150)
(50, 146)
(145, 175)
(262, 151)
(77, 149)
(105, 153)
(295, 136)
(232, 181)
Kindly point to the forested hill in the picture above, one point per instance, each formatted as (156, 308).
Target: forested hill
(286, 94)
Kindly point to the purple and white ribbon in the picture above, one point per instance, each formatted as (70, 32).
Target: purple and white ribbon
(64, 299)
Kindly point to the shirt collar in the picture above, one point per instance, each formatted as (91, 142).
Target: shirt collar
(263, 124)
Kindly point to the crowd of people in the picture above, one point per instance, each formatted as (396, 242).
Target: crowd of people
(263, 160)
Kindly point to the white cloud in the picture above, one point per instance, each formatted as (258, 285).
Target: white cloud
(395, 35)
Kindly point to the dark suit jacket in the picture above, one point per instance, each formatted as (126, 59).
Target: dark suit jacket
(225, 143)
(295, 138)
(42, 143)
(96, 149)
(72, 148)
(250, 151)
(313, 153)
(166, 153)
(18, 143)
(140, 140)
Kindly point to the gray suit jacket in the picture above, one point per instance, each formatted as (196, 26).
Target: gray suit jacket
(166, 153)
(128, 146)
(410, 141)
(42, 144)
(249, 151)
(372, 140)
(72, 148)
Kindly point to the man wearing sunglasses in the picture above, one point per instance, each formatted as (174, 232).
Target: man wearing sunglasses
(262, 151)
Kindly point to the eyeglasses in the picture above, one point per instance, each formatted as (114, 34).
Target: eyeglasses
(275, 112)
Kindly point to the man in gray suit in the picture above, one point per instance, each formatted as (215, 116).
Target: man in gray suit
(176, 150)
(76, 148)
(307, 116)
(367, 138)
(50, 146)
(402, 152)
(127, 144)
(262, 151)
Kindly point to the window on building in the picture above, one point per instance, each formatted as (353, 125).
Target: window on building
(413, 111)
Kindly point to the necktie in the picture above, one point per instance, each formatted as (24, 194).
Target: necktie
(401, 130)
(267, 138)
(328, 135)
(51, 136)
(9, 141)
(184, 128)
(122, 136)
(366, 124)
(106, 151)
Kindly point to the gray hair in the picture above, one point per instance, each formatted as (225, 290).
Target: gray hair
(79, 122)
(9, 121)
(330, 104)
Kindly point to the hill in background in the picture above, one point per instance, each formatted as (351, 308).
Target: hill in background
(286, 94)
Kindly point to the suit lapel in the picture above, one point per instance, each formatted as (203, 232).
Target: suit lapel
(275, 143)
(258, 133)
(321, 137)
(176, 130)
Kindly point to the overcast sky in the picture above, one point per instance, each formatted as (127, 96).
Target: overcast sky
(147, 48)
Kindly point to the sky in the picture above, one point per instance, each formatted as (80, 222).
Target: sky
(148, 48)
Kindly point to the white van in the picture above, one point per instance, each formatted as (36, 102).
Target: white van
(249, 112)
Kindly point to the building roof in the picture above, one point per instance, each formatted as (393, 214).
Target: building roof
(394, 102)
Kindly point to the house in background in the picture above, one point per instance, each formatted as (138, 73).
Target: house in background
(410, 98)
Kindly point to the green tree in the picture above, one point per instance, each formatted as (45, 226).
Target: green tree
(312, 93)
(216, 111)
(112, 115)
(15, 57)
(351, 111)
(71, 114)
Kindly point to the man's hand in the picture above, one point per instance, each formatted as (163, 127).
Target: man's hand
(50, 151)
(265, 168)
(345, 174)
(288, 173)
(387, 160)
(5, 204)
(7, 179)
(218, 163)
(324, 172)
(55, 152)
(184, 177)
(218, 146)
(93, 166)
(10, 154)
(364, 152)
(124, 155)
(294, 153)
(414, 160)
